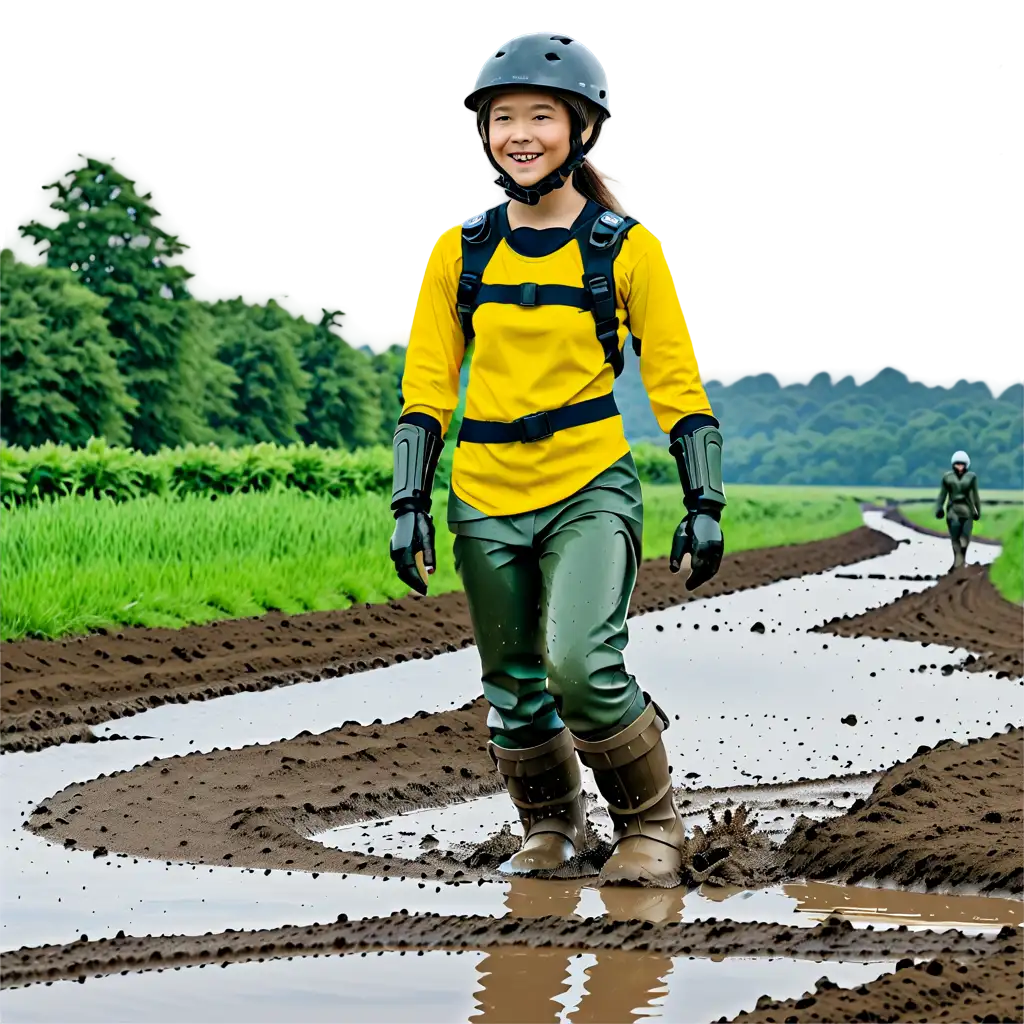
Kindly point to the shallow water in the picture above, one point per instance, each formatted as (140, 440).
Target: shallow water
(527, 986)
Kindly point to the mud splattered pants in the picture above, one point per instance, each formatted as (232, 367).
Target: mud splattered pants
(548, 594)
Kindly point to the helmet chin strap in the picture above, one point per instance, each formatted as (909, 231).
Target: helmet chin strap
(530, 195)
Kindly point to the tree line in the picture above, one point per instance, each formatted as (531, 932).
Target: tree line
(105, 340)
(889, 431)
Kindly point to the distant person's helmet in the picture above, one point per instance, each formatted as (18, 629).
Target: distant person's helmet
(549, 63)
(961, 457)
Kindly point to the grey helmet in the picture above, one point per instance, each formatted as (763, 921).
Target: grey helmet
(961, 457)
(547, 62)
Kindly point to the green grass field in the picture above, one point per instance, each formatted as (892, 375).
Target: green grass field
(1004, 523)
(76, 564)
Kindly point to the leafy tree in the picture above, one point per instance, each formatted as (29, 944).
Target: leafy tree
(108, 238)
(260, 344)
(59, 360)
(343, 400)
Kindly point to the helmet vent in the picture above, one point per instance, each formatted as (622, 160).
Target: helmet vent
(564, 40)
(500, 53)
(602, 94)
(551, 56)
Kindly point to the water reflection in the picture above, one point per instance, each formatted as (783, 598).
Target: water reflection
(529, 986)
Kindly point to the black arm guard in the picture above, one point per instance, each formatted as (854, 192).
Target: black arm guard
(416, 453)
(698, 457)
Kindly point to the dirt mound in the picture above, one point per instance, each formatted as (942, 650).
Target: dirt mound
(949, 817)
(53, 690)
(256, 806)
(988, 989)
(962, 610)
(832, 939)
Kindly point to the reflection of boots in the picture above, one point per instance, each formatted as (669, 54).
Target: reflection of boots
(966, 543)
(628, 903)
(544, 783)
(631, 771)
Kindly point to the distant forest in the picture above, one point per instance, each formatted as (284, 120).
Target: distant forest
(888, 430)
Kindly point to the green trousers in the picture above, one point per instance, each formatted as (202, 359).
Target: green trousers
(548, 594)
(960, 528)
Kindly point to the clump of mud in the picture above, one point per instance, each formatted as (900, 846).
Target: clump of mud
(731, 853)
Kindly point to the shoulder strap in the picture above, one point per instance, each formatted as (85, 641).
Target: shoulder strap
(480, 237)
(608, 231)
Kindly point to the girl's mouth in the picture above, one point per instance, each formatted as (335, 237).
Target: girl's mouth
(524, 158)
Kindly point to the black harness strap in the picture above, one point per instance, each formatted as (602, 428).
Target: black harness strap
(600, 240)
(538, 426)
(481, 235)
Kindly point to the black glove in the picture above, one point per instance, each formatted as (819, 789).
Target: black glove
(697, 449)
(412, 548)
(939, 514)
(417, 447)
(977, 516)
(699, 535)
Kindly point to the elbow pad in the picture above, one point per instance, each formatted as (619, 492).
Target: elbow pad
(698, 457)
(416, 452)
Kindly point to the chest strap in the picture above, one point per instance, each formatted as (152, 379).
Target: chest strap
(538, 426)
(600, 240)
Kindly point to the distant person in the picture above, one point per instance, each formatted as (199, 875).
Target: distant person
(959, 502)
(545, 502)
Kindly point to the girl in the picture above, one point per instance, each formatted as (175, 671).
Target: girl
(545, 502)
(960, 488)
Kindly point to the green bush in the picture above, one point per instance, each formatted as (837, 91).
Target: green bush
(101, 471)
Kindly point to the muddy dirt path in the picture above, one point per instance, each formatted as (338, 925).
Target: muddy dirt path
(833, 939)
(268, 805)
(53, 691)
(963, 610)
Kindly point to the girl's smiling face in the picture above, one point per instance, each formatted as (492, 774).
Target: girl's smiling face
(529, 134)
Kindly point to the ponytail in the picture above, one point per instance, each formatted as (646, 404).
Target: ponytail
(589, 181)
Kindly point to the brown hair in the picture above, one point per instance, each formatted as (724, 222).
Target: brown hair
(586, 179)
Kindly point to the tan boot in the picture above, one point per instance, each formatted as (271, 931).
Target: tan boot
(544, 784)
(631, 771)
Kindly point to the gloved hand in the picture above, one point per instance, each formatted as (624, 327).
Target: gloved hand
(412, 548)
(700, 536)
(939, 514)
(977, 516)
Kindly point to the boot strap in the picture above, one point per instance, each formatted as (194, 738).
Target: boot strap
(626, 746)
(517, 763)
(524, 804)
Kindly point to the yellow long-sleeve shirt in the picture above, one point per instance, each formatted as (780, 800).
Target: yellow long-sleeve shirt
(531, 359)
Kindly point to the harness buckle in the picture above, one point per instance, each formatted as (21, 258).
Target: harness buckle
(534, 427)
(528, 294)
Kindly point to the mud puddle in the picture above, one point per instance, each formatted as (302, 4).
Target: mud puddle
(756, 698)
(528, 986)
(795, 689)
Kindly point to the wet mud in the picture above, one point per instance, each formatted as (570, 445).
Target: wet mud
(950, 817)
(947, 820)
(941, 989)
(962, 610)
(833, 939)
(52, 691)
